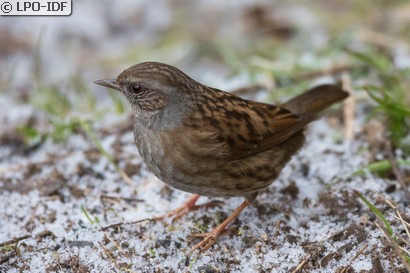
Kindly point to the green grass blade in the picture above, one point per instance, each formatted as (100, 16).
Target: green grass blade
(377, 212)
(380, 166)
(87, 215)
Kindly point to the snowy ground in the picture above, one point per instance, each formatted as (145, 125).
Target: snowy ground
(309, 213)
(60, 199)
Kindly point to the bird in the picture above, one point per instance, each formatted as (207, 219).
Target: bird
(209, 142)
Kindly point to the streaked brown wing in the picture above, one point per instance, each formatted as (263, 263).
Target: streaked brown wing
(231, 127)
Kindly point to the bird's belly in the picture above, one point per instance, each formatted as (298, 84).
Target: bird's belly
(211, 176)
(218, 177)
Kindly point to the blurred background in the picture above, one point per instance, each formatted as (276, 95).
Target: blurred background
(50, 63)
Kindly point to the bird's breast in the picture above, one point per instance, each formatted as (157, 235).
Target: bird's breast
(150, 148)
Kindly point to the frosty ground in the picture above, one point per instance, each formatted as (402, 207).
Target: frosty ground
(64, 195)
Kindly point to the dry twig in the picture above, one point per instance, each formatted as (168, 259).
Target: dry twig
(354, 258)
(118, 198)
(123, 224)
(116, 245)
(300, 266)
(349, 107)
(395, 246)
(15, 240)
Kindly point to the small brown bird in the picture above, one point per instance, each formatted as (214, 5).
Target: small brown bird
(205, 141)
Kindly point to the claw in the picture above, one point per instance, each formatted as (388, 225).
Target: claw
(209, 239)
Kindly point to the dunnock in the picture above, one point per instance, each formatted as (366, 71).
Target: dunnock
(205, 141)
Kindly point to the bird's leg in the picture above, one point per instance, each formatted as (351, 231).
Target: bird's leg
(211, 237)
(188, 206)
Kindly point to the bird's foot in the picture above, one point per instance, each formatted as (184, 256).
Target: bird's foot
(188, 206)
(177, 213)
(209, 239)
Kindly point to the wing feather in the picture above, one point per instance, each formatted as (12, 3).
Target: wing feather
(240, 128)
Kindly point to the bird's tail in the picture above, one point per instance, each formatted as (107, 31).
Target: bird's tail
(315, 100)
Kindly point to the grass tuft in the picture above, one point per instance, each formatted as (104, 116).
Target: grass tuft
(391, 95)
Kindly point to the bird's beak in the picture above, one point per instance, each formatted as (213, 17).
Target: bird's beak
(110, 83)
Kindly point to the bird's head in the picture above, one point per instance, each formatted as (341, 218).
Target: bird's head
(155, 89)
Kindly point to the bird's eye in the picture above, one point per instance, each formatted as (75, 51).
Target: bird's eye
(136, 88)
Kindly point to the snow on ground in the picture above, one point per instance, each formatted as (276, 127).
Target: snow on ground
(310, 210)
